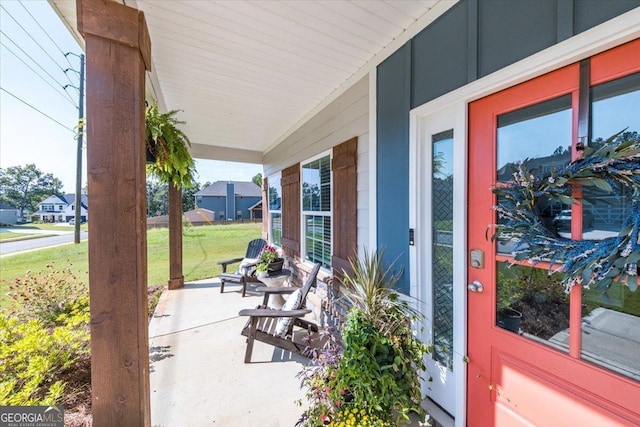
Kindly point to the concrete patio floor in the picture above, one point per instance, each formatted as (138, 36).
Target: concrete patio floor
(197, 374)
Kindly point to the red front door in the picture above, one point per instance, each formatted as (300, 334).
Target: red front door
(537, 356)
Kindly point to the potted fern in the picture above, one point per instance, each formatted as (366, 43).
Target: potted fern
(170, 161)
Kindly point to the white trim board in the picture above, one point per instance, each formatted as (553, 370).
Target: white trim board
(420, 219)
(373, 160)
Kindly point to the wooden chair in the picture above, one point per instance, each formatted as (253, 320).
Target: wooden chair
(269, 325)
(242, 275)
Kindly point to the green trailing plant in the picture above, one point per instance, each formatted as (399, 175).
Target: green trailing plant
(376, 373)
(169, 144)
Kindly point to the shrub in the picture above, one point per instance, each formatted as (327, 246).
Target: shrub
(44, 342)
(34, 359)
(50, 296)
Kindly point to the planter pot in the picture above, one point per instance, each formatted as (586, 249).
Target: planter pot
(262, 274)
(276, 265)
(509, 319)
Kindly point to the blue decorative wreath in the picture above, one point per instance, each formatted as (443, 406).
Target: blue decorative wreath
(586, 262)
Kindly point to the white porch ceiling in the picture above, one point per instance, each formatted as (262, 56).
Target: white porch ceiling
(247, 73)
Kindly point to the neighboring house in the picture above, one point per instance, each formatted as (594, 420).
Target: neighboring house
(9, 214)
(60, 209)
(197, 216)
(200, 216)
(230, 199)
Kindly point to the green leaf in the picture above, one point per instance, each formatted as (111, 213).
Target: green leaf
(613, 272)
(625, 231)
(601, 184)
(620, 262)
(634, 257)
(565, 199)
(632, 283)
(604, 283)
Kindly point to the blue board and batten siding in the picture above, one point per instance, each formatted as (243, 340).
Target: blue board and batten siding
(218, 204)
(471, 40)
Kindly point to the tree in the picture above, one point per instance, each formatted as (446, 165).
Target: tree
(257, 180)
(26, 186)
(158, 197)
(189, 197)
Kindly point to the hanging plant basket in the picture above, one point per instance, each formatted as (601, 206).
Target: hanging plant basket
(168, 157)
(150, 152)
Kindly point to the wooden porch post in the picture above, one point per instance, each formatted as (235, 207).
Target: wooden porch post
(118, 52)
(176, 279)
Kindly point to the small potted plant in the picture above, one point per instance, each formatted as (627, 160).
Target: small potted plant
(168, 156)
(269, 260)
(509, 292)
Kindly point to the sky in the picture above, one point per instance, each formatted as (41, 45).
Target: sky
(33, 43)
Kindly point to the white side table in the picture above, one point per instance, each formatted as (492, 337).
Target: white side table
(276, 280)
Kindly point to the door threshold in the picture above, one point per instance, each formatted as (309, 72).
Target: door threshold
(440, 417)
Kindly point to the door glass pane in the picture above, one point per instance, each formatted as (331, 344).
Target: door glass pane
(442, 280)
(611, 322)
(539, 135)
(530, 302)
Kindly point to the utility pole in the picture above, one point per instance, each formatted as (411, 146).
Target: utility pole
(79, 154)
(78, 202)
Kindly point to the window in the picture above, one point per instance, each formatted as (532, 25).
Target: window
(534, 304)
(275, 209)
(316, 210)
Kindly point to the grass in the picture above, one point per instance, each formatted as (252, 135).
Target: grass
(202, 247)
(11, 237)
(47, 226)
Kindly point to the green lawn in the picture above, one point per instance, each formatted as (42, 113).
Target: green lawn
(202, 248)
(47, 226)
(9, 237)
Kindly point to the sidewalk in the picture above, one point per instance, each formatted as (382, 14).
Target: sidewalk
(197, 373)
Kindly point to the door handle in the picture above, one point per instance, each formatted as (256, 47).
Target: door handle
(475, 286)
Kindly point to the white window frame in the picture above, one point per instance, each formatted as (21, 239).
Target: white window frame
(270, 212)
(303, 213)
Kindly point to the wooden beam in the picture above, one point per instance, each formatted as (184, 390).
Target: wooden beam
(176, 279)
(118, 49)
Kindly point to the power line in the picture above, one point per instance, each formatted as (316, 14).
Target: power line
(39, 75)
(44, 114)
(35, 62)
(36, 42)
(45, 31)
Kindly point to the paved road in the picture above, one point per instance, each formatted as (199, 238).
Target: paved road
(43, 242)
